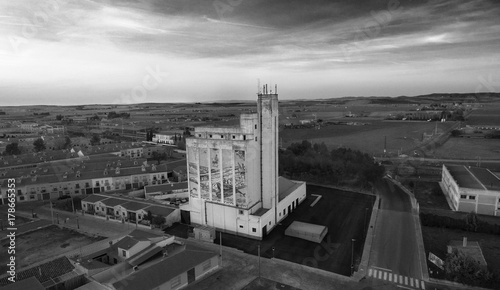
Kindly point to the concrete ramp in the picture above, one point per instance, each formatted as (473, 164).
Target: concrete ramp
(306, 231)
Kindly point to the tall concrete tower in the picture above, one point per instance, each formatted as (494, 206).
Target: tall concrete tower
(267, 111)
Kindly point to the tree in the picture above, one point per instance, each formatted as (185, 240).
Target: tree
(39, 145)
(465, 269)
(67, 142)
(159, 156)
(181, 145)
(96, 140)
(12, 149)
(158, 221)
(59, 117)
(149, 216)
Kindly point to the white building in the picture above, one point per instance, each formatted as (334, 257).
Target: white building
(233, 175)
(471, 189)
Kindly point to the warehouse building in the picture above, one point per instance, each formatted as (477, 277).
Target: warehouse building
(471, 189)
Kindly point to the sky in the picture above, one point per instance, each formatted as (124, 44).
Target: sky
(64, 52)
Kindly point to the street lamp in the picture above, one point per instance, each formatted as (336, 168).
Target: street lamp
(352, 255)
(273, 252)
(366, 213)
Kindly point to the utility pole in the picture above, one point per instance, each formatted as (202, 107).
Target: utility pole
(352, 256)
(51, 212)
(258, 250)
(220, 247)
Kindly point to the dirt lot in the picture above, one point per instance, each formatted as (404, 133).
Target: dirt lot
(44, 243)
(344, 215)
(436, 240)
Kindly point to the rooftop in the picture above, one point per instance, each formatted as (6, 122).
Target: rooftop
(126, 243)
(44, 272)
(474, 177)
(166, 187)
(463, 177)
(286, 186)
(155, 275)
(31, 283)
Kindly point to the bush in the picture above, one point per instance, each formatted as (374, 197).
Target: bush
(466, 224)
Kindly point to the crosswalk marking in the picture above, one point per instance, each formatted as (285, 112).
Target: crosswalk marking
(388, 275)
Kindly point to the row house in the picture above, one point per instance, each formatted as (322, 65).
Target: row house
(131, 210)
(79, 182)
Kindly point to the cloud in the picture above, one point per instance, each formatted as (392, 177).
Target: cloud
(80, 43)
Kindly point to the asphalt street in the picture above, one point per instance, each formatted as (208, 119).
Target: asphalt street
(394, 248)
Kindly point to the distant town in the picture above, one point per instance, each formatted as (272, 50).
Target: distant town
(333, 194)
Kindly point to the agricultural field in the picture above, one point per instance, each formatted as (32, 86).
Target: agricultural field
(487, 114)
(469, 148)
(368, 138)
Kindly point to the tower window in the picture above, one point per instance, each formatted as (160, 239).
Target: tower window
(222, 136)
(234, 137)
(244, 137)
(255, 138)
(210, 136)
(255, 126)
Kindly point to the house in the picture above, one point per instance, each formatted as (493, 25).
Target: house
(167, 190)
(173, 272)
(145, 261)
(55, 274)
(129, 209)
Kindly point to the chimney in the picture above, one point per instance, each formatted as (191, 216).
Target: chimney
(464, 244)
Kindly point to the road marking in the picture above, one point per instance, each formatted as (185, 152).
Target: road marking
(380, 268)
(318, 197)
(380, 274)
(370, 272)
(411, 282)
(404, 287)
(400, 279)
(385, 275)
(375, 273)
(406, 280)
(390, 277)
(423, 285)
(417, 283)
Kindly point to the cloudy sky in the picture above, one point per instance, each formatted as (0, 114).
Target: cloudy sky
(124, 51)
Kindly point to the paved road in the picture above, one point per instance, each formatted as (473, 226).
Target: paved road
(394, 257)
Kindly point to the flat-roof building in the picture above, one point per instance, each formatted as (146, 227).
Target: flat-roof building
(471, 189)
